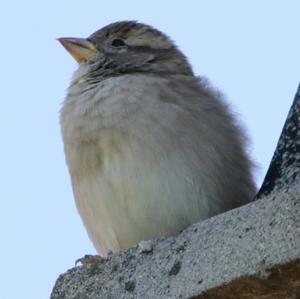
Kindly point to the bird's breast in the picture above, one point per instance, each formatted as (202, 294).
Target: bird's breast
(142, 163)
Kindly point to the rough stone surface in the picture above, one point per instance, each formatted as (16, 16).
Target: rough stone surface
(249, 252)
(253, 240)
(282, 283)
(284, 170)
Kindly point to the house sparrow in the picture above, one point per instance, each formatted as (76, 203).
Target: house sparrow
(150, 147)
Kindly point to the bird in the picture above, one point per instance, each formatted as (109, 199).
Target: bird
(151, 148)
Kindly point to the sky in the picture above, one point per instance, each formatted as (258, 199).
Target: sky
(250, 50)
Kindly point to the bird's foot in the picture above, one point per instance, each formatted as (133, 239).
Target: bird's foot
(88, 259)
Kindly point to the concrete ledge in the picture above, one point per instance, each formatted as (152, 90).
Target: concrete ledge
(282, 283)
(242, 249)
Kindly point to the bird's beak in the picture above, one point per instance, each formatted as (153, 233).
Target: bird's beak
(80, 48)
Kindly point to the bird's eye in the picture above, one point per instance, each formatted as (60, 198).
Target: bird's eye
(118, 43)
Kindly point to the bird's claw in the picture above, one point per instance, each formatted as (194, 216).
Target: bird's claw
(88, 259)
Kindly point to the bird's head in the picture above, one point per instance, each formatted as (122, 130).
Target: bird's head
(127, 47)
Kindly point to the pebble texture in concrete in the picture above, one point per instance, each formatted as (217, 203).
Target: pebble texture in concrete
(284, 170)
(248, 241)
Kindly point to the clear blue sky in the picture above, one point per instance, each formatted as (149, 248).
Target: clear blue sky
(248, 49)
